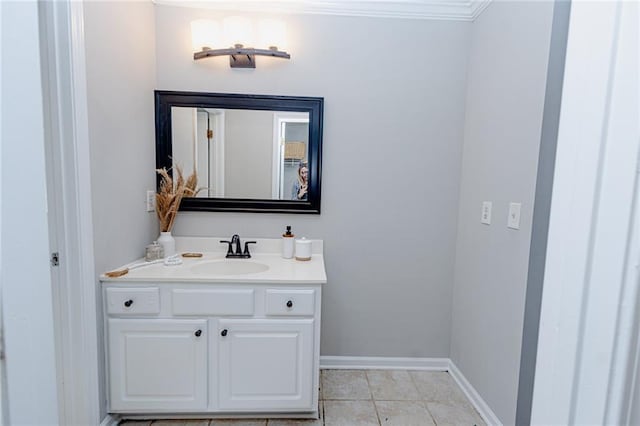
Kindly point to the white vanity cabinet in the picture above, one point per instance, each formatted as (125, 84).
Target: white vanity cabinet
(157, 364)
(212, 348)
(265, 364)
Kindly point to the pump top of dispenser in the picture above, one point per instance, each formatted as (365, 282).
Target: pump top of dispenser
(288, 234)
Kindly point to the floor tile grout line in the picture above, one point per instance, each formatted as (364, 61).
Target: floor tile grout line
(424, 402)
(375, 407)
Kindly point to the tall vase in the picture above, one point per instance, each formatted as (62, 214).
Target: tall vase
(168, 243)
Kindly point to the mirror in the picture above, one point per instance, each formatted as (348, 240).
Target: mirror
(250, 152)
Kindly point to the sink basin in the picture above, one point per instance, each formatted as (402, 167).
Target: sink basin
(229, 267)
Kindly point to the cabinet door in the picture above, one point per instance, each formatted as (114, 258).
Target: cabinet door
(158, 365)
(265, 365)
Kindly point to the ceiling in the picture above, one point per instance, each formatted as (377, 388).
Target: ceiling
(454, 10)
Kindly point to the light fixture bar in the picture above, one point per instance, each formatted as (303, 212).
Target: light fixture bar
(241, 57)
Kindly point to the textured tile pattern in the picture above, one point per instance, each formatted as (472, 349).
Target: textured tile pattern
(437, 386)
(403, 413)
(371, 397)
(392, 385)
(350, 413)
(345, 384)
(453, 413)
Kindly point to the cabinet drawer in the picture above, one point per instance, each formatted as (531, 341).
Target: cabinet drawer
(290, 302)
(133, 301)
(212, 302)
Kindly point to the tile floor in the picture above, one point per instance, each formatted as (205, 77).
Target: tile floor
(372, 397)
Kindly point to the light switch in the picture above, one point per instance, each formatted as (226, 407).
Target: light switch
(486, 213)
(151, 201)
(513, 221)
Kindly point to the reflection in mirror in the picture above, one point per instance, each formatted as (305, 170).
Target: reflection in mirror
(240, 153)
(252, 153)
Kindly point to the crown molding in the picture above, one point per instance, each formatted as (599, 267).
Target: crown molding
(451, 10)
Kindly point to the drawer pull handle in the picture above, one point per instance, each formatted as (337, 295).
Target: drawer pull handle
(289, 304)
(224, 332)
(198, 333)
(128, 303)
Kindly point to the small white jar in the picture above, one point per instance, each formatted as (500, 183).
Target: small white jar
(303, 249)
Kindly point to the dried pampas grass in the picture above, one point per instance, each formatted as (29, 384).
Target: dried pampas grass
(170, 195)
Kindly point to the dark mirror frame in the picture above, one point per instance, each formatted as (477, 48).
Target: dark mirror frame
(164, 100)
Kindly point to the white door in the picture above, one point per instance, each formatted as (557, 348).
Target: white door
(265, 365)
(157, 365)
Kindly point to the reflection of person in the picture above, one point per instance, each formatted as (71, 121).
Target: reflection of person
(299, 189)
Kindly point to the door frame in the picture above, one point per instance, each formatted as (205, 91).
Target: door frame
(589, 312)
(277, 172)
(70, 224)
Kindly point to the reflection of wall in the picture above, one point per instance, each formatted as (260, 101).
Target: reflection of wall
(505, 98)
(391, 166)
(298, 132)
(182, 136)
(248, 154)
(202, 153)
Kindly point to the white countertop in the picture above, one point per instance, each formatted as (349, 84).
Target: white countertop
(266, 252)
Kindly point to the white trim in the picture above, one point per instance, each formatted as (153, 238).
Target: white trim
(582, 366)
(474, 397)
(452, 10)
(110, 420)
(76, 332)
(276, 169)
(382, 363)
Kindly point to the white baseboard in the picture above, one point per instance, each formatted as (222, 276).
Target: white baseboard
(474, 397)
(109, 421)
(382, 363)
(433, 364)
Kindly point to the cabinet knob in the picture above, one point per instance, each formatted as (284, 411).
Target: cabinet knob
(128, 303)
(224, 332)
(198, 333)
(289, 304)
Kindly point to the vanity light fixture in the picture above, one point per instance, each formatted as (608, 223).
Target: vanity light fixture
(238, 31)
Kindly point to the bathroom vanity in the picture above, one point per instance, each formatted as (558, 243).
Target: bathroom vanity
(215, 336)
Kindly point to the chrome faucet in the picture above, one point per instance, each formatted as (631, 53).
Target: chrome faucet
(239, 254)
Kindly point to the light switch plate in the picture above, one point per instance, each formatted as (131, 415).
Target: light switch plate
(151, 201)
(513, 221)
(486, 213)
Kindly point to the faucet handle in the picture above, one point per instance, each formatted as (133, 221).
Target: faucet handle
(229, 248)
(246, 248)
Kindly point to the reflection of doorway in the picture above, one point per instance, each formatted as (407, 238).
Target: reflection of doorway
(209, 151)
(291, 144)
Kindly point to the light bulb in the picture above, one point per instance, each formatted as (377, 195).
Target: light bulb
(204, 33)
(273, 33)
(237, 30)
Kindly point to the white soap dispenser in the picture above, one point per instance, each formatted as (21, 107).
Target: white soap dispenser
(287, 243)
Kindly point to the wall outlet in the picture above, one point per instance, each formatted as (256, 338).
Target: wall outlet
(486, 213)
(151, 201)
(513, 221)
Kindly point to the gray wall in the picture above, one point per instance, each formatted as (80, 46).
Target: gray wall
(120, 52)
(248, 153)
(506, 86)
(184, 147)
(389, 117)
